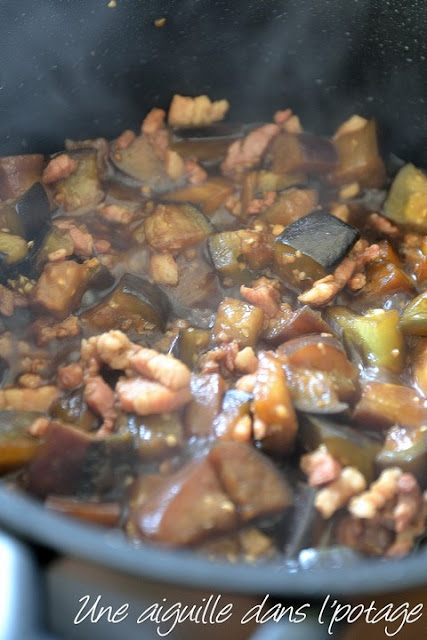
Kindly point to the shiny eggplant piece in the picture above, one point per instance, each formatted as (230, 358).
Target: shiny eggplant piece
(414, 318)
(175, 227)
(406, 202)
(191, 343)
(303, 152)
(383, 405)
(384, 279)
(293, 324)
(239, 321)
(251, 480)
(258, 183)
(60, 288)
(405, 448)
(419, 365)
(311, 247)
(82, 189)
(236, 404)
(321, 355)
(209, 196)
(134, 305)
(73, 462)
(207, 392)
(273, 408)
(28, 215)
(358, 156)
(142, 163)
(376, 334)
(72, 409)
(291, 205)
(350, 446)
(17, 446)
(182, 509)
(19, 173)
(238, 255)
(208, 145)
(104, 514)
(156, 437)
(54, 240)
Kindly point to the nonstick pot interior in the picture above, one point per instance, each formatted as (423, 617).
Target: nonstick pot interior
(85, 68)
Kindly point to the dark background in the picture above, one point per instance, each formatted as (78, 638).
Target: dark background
(78, 68)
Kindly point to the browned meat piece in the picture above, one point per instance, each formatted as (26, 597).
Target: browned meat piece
(46, 332)
(27, 399)
(338, 492)
(102, 246)
(100, 397)
(59, 167)
(265, 294)
(221, 359)
(195, 173)
(125, 140)
(188, 507)
(246, 360)
(251, 480)
(320, 467)
(383, 225)
(164, 269)
(258, 205)
(153, 122)
(7, 301)
(288, 121)
(324, 290)
(30, 381)
(144, 397)
(70, 376)
(60, 287)
(165, 369)
(39, 427)
(195, 112)
(246, 153)
(115, 213)
(114, 348)
(174, 164)
(82, 240)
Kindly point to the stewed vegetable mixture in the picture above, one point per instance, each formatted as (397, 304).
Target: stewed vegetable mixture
(215, 336)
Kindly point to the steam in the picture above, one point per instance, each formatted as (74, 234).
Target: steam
(82, 69)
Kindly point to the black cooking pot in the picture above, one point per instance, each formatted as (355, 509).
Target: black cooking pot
(87, 68)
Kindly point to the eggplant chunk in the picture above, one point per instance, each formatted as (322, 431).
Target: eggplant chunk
(104, 514)
(73, 462)
(82, 189)
(311, 247)
(293, 324)
(134, 305)
(207, 392)
(414, 318)
(236, 405)
(174, 227)
(273, 407)
(334, 379)
(209, 196)
(350, 446)
(17, 446)
(238, 255)
(407, 199)
(156, 436)
(140, 162)
(186, 508)
(60, 288)
(405, 448)
(239, 321)
(72, 409)
(18, 174)
(291, 205)
(376, 334)
(13, 249)
(358, 156)
(384, 404)
(33, 210)
(302, 152)
(250, 480)
(191, 343)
